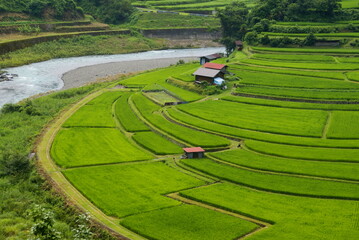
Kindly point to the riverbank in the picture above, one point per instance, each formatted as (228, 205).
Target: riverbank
(83, 75)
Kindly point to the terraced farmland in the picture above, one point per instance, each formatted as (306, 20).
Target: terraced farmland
(282, 146)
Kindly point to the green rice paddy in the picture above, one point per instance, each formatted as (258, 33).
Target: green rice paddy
(283, 160)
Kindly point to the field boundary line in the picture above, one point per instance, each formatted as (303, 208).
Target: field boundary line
(48, 167)
(327, 125)
(261, 224)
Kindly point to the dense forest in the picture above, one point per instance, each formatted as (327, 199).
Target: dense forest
(108, 11)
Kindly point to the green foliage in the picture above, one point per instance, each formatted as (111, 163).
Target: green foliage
(128, 119)
(82, 231)
(94, 146)
(253, 160)
(78, 46)
(292, 216)
(297, 121)
(188, 222)
(108, 11)
(156, 143)
(188, 135)
(121, 190)
(13, 162)
(44, 223)
(310, 40)
(27, 29)
(275, 182)
(300, 152)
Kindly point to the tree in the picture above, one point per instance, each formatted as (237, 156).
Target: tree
(234, 19)
(44, 222)
(82, 231)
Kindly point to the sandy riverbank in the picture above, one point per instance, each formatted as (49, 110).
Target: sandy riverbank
(84, 75)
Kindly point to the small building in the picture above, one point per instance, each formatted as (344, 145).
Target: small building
(327, 43)
(195, 152)
(216, 66)
(208, 58)
(239, 45)
(207, 74)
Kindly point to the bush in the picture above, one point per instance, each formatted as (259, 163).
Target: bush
(14, 162)
(10, 108)
(309, 40)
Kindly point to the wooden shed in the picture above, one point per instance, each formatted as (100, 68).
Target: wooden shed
(239, 45)
(208, 58)
(195, 152)
(207, 74)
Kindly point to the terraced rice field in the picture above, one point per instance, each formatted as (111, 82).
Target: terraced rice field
(191, 6)
(282, 146)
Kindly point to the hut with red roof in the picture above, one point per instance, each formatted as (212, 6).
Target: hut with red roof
(194, 152)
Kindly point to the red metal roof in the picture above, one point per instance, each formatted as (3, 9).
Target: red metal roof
(194, 149)
(214, 65)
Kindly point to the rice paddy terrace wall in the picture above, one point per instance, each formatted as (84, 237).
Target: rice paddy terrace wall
(281, 162)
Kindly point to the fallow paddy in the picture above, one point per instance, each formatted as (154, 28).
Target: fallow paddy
(282, 151)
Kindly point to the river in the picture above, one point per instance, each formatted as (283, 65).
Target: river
(46, 76)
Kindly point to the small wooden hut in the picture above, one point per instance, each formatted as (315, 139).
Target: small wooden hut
(195, 152)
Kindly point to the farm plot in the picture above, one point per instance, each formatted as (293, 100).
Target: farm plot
(353, 76)
(344, 125)
(92, 116)
(261, 118)
(276, 182)
(128, 119)
(291, 216)
(106, 98)
(302, 152)
(161, 97)
(188, 135)
(188, 222)
(254, 160)
(308, 50)
(317, 74)
(289, 104)
(299, 65)
(257, 135)
(283, 80)
(90, 146)
(295, 58)
(156, 144)
(302, 93)
(122, 190)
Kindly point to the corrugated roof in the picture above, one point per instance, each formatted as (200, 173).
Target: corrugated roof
(214, 65)
(194, 149)
(212, 56)
(206, 72)
(239, 43)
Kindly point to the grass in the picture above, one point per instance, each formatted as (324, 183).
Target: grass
(274, 182)
(106, 98)
(90, 146)
(297, 121)
(79, 46)
(353, 76)
(350, 4)
(188, 222)
(160, 76)
(292, 216)
(128, 119)
(283, 80)
(156, 143)
(92, 116)
(319, 74)
(190, 136)
(122, 190)
(302, 152)
(166, 20)
(301, 65)
(344, 125)
(161, 97)
(289, 104)
(308, 50)
(300, 93)
(253, 160)
(295, 58)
